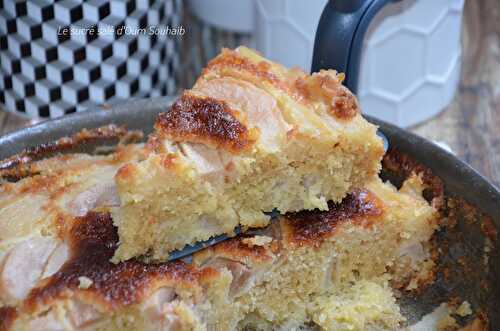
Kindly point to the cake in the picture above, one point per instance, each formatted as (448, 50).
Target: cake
(38, 204)
(330, 269)
(250, 137)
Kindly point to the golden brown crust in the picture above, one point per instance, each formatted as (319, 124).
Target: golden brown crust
(232, 59)
(19, 166)
(61, 183)
(307, 228)
(93, 242)
(204, 120)
(37, 184)
(154, 144)
(7, 317)
(125, 171)
(328, 87)
(343, 105)
(242, 67)
(324, 86)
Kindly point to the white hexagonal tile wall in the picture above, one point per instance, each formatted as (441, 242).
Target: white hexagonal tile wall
(285, 30)
(398, 63)
(410, 64)
(285, 39)
(429, 13)
(296, 12)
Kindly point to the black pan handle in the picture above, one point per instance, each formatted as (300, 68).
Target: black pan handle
(339, 37)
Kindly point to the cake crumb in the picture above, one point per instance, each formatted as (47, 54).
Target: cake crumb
(405, 235)
(464, 309)
(412, 285)
(84, 282)
(447, 323)
(257, 241)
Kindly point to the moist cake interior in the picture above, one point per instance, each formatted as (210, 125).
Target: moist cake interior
(334, 270)
(249, 137)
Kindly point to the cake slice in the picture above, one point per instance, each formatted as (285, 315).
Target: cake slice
(330, 269)
(249, 137)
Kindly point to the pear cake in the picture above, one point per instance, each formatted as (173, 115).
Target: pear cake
(333, 269)
(251, 136)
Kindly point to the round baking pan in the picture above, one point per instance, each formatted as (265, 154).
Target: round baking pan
(471, 279)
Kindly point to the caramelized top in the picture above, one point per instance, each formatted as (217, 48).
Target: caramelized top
(204, 120)
(343, 103)
(234, 60)
(7, 316)
(93, 242)
(310, 228)
(324, 87)
(18, 166)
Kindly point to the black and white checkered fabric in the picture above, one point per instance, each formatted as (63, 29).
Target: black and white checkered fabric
(46, 71)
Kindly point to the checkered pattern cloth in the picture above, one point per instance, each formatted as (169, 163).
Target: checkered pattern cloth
(46, 70)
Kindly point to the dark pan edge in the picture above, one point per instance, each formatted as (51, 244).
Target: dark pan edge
(460, 179)
(135, 114)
